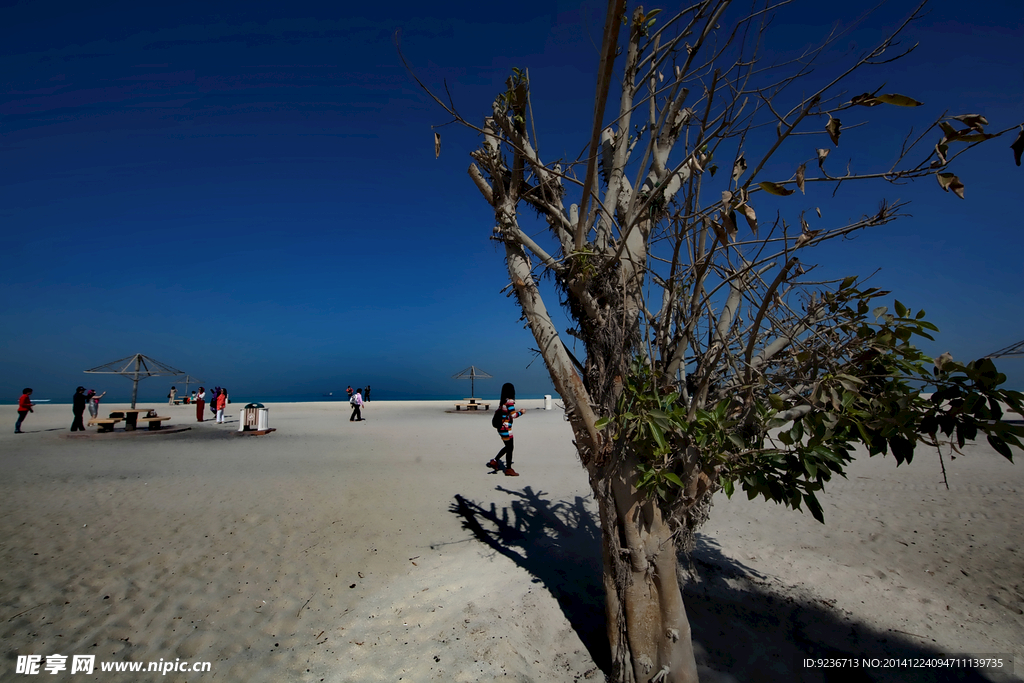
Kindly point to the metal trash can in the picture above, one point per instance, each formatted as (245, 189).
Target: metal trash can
(547, 401)
(254, 417)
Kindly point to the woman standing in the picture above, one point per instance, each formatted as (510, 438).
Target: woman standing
(221, 401)
(200, 404)
(94, 402)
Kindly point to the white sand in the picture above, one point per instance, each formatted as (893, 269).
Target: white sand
(341, 551)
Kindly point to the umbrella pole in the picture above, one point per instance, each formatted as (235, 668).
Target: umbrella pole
(135, 382)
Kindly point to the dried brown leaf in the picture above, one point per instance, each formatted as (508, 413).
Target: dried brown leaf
(719, 232)
(975, 121)
(1018, 146)
(748, 212)
(437, 145)
(729, 223)
(800, 177)
(775, 188)
(739, 167)
(865, 100)
(805, 237)
(948, 132)
(822, 154)
(832, 128)
(950, 183)
(899, 100)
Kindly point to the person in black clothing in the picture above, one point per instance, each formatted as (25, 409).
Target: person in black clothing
(78, 402)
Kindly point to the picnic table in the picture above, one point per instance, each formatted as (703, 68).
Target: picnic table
(131, 416)
(472, 404)
(106, 424)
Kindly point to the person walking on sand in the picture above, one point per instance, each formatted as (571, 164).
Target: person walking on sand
(171, 396)
(200, 403)
(502, 421)
(94, 402)
(24, 408)
(78, 402)
(357, 404)
(349, 392)
(221, 401)
(213, 401)
(366, 397)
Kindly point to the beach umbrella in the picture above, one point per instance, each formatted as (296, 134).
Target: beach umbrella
(136, 367)
(189, 379)
(472, 373)
(1010, 351)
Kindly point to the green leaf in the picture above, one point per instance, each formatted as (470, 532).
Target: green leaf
(1000, 446)
(658, 434)
(602, 423)
(660, 418)
(775, 188)
(814, 506)
(674, 479)
(901, 310)
(727, 486)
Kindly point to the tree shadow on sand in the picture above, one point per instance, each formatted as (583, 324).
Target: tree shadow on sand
(559, 544)
(741, 626)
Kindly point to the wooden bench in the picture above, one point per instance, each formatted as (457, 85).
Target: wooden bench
(106, 424)
(153, 420)
(472, 406)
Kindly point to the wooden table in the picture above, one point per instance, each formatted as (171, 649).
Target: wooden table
(131, 416)
(473, 404)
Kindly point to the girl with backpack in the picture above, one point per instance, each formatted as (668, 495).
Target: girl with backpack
(502, 421)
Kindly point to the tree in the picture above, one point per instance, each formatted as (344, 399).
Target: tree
(713, 360)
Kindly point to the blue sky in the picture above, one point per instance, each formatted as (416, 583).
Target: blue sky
(248, 191)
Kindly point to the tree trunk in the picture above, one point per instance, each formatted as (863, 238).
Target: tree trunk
(648, 630)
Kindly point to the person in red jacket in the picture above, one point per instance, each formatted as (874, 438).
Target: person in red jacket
(24, 408)
(220, 402)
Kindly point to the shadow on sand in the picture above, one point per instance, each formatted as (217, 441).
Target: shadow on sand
(740, 626)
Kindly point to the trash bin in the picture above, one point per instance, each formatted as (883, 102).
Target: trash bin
(254, 417)
(547, 401)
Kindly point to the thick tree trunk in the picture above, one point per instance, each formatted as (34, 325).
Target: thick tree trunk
(648, 630)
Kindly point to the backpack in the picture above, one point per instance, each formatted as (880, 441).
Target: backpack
(496, 419)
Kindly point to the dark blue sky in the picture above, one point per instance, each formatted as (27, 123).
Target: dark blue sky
(248, 191)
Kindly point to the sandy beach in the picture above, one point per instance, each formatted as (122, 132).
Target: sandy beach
(385, 550)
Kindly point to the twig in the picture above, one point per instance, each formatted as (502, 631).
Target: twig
(304, 606)
(24, 611)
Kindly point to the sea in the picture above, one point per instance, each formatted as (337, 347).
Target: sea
(236, 399)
